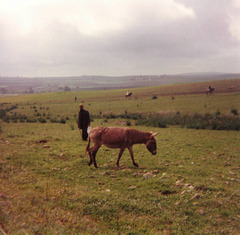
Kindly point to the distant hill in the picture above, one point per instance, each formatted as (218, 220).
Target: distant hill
(13, 85)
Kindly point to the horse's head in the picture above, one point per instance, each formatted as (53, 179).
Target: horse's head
(152, 144)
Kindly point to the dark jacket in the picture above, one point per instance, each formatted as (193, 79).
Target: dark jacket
(83, 119)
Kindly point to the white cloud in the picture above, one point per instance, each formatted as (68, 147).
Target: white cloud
(91, 17)
(234, 27)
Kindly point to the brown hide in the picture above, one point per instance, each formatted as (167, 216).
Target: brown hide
(122, 138)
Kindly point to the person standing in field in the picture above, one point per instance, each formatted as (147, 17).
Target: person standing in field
(83, 121)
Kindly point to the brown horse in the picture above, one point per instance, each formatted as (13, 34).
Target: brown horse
(210, 91)
(122, 138)
(128, 94)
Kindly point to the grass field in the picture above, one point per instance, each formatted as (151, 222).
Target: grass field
(190, 187)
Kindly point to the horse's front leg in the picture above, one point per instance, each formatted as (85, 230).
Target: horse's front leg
(131, 154)
(120, 155)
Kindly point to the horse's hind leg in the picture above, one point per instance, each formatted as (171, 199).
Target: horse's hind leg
(94, 159)
(90, 158)
(93, 152)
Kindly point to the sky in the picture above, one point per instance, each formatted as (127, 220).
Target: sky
(118, 37)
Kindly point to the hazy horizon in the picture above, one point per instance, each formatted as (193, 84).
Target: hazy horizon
(128, 75)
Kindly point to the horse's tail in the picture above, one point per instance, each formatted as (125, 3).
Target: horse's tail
(88, 145)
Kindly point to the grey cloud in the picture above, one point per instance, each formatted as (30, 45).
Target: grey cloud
(148, 46)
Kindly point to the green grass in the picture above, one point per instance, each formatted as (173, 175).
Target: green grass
(115, 102)
(190, 187)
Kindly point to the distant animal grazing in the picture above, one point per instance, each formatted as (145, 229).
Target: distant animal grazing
(233, 86)
(128, 94)
(122, 138)
(210, 90)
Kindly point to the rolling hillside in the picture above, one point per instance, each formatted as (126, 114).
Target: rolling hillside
(20, 85)
(190, 187)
